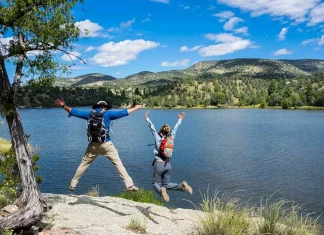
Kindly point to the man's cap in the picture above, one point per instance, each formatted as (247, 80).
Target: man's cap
(101, 103)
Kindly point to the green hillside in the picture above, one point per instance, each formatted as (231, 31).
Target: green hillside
(254, 68)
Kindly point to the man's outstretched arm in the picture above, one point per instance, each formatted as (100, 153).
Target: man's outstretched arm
(136, 107)
(73, 112)
(61, 104)
(119, 114)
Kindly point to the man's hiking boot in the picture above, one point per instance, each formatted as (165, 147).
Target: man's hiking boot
(164, 194)
(71, 188)
(186, 187)
(132, 188)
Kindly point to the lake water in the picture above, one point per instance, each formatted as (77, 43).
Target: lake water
(250, 152)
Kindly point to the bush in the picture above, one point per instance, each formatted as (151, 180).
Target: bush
(283, 218)
(263, 104)
(286, 103)
(145, 196)
(10, 184)
(222, 217)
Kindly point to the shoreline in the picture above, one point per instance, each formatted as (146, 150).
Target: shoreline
(203, 107)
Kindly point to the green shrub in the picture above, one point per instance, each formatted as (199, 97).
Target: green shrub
(146, 196)
(225, 216)
(10, 184)
(4, 201)
(222, 216)
(284, 218)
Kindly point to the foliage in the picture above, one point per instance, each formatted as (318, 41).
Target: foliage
(193, 92)
(283, 218)
(225, 216)
(145, 196)
(10, 186)
(222, 217)
(42, 26)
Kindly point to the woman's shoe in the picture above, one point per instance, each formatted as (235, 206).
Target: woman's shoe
(164, 194)
(186, 187)
(132, 188)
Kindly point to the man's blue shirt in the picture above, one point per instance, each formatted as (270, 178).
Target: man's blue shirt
(108, 116)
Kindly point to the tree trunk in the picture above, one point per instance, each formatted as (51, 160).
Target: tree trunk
(31, 204)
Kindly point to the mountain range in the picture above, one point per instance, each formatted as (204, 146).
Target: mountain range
(255, 68)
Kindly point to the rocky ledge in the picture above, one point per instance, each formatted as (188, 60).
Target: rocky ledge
(72, 214)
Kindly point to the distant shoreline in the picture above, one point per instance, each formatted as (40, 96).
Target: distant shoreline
(203, 107)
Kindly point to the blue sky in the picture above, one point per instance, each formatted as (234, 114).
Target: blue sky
(130, 36)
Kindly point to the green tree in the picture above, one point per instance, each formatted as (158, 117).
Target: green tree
(45, 26)
(272, 87)
(218, 98)
(137, 99)
(286, 103)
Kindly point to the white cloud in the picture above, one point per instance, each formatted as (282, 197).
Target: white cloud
(224, 48)
(316, 15)
(228, 44)
(210, 8)
(224, 14)
(5, 41)
(161, 1)
(76, 67)
(223, 37)
(146, 20)
(185, 48)
(230, 24)
(309, 41)
(115, 54)
(282, 34)
(90, 48)
(299, 30)
(186, 7)
(34, 53)
(90, 29)
(242, 30)
(283, 51)
(319, 41)
(294, 9)
(71, 56)
(177, 63)
(113, 29)
(127, 24)
(122, 25)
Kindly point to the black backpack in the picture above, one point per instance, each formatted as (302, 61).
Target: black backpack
(96, 128)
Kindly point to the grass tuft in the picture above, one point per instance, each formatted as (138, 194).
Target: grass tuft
(284, 218)
(225, 216)
(222, 216)
(145, 196)
(94, 192)
(137, 224)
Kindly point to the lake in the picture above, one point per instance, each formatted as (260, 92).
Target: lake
(251, 153)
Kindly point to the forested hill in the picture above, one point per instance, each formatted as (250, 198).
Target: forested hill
(253, 68)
